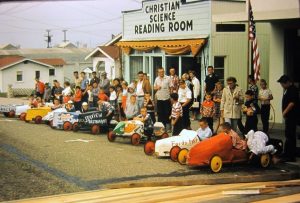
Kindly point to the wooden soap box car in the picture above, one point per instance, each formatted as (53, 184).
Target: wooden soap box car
(94, 121)
(12, 110)
(37, 114)
(64, 120)
(176, 146)
(218, 150)
(134, 130)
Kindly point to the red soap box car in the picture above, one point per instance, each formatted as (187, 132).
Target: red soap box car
(218, 150)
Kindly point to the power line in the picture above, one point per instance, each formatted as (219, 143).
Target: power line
(48, 38)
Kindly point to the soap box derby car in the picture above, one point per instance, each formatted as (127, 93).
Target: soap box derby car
(134, 130)
(94, 121)
(64, 120)
(218, 150)
(49, 117)
(13, 110)
(174, 146)
(37, 114)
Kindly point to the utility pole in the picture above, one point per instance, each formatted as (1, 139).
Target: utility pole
(65, 35)
(48, 38)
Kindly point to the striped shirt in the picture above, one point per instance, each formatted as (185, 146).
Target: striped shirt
(176, 110)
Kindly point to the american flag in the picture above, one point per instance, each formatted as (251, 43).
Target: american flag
(253, 39)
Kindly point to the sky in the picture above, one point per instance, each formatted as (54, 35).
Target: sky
(90, 22)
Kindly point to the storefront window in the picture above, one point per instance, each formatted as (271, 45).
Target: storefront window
(172, 62)
(219, 67)
(157, 63)
(136, 65)
(191, 63)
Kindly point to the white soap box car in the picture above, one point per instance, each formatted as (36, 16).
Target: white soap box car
(174, 146)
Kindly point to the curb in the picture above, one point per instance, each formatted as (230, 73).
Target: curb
(209, 181)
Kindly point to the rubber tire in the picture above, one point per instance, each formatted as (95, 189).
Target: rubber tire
(149, 148)
(22, 116)
(67, 126)
(265, 160)
(12, 114)
(135, 139)
(38, 120)
(95, 129)
(164, 135)
(182, 156)
(51, 124)
(216, 164)
(75, 127)
(174, 153)
(6, 114)
(111, 136)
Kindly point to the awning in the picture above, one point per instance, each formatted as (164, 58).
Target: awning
(172, 47)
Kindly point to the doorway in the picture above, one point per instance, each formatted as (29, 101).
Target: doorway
(191, 63)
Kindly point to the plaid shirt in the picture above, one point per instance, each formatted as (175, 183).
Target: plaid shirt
(106, 107)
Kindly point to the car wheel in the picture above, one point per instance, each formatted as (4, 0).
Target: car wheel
(95, 129)
(38, 120)
(22, 116)
(265, 160)
(174, 153)
(6, 114)
(182, 156)
(12, 114)
(111, 136)
(67, 126)
(216, 164)
(51, 123)
(135, 139)
(149, 148)
(164, 135)
(75, 127)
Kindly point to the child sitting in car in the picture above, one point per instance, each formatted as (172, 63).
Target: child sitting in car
(146, 119)
(56, 104)
(237, 142)
(70, 106)
(204, 131)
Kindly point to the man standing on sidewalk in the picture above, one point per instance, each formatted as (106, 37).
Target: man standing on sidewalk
(163, 86)
(290, 105)
(143, 86)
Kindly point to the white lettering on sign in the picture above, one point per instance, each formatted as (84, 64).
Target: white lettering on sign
(163, 16)
(167, 19)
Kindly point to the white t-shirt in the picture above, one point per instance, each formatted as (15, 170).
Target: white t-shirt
(113, 96)
(265, 93)
(184, 94)
(204, 134)
(67, 91)
(165, 83)
(139, 88)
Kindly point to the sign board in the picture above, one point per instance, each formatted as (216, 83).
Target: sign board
(167, 19)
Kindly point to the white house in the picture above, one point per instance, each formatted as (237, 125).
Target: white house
(106, 59)
(21, 72)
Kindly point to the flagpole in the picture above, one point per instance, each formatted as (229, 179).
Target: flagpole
(248, 42)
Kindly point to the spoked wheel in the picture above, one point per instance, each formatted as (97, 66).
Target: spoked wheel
(164, 135)
(135, 139)
(149, 148)
(216, 164)
(67, 126)
(38, 120)
(174, 153)
(111, 136)
(22, 116)
(95, 129)
(265, 160)
(75, 127)
(182, 156)
(12, 114)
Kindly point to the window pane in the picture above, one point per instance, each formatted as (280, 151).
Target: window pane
(37, 74)
(51, 72)
(172, 62)
(191, 63)
(19, 76)
(136, 65)
(219, 62)
(230, 27)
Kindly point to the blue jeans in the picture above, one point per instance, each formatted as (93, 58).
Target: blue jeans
(140, 102)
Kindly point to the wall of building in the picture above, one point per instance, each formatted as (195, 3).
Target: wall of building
(28, 75)
(109, 66)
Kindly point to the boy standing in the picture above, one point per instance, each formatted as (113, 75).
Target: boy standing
(251, 110)
(176, 114)
(265, 96)
(207, 110)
